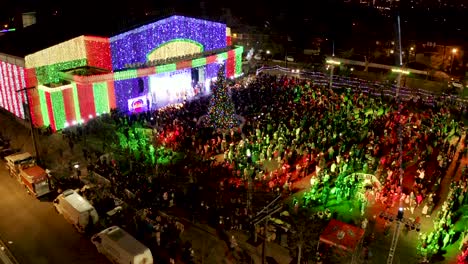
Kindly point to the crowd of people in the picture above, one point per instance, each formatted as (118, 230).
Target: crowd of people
(444, 230)
(294, 129)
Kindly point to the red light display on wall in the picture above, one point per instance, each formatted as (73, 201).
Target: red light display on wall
(12, 79)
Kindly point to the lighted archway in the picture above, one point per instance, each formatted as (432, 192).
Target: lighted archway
(175, 48)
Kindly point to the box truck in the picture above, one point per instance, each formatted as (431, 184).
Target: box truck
(76, 210)
(120, 247)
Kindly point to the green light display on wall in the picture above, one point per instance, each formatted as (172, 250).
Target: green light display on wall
(166, 68)
(222, 56)
(124, 75)
(198, 62)
(51, 73)
(44, 112)
(238, 70)
(58, 109)
(76, 102)
(101, 99)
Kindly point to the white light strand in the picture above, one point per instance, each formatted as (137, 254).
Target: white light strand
(6, 86)
(13, 90)
(174, 49)
(2, 90)
(19, 97)
(74, 49)
(23, 85)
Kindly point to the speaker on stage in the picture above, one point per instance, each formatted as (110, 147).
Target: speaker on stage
(141, 85)
(195, 76)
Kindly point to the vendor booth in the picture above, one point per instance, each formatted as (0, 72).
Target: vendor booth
(342, 236)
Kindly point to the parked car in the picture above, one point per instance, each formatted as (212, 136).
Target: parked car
(4, 144)
(7, 152)
(456, 83)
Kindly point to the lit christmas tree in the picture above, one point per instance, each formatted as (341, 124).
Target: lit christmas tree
(221, 110)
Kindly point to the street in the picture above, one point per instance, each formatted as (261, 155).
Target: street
(38, 234)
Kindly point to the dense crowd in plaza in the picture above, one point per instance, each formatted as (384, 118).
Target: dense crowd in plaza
(444, 231)
(295, 128)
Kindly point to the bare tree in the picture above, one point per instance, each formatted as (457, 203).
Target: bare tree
(304, 234)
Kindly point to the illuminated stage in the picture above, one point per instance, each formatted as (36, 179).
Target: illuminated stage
(170, 88)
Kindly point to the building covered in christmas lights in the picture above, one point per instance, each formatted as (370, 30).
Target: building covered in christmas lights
(160, 63)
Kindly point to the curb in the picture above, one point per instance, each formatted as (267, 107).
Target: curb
(5, 254)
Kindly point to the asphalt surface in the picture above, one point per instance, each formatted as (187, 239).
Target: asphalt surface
(38, 234)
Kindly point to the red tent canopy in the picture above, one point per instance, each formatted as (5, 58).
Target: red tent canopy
(342, 235)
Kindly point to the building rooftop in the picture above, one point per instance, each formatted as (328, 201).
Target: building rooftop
(42, 35)
(53, 31)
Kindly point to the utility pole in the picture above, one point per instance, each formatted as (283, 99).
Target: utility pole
(332, 65)
(33, 135)
(410, 224)
(263, 216)
(400, 55)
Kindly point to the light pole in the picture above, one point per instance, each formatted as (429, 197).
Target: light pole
(31, 126)
(410, 224)
(400, 72)
(454, 51)
(263, 216)
(412, 54)
(332, 64)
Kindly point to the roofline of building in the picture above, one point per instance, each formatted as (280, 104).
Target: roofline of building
(12, 59)
(135, 28)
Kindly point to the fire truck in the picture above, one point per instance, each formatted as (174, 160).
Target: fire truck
(36, 180)
(23, 167)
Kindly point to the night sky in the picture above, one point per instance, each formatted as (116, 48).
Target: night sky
(299, 19)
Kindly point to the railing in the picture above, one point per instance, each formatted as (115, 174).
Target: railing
(371, 87)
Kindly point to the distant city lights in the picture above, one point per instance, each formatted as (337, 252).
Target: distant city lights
(400, 71)
(334, 62)
(7, 30)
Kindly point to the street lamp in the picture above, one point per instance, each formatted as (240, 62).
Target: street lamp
(454, 51)
(332, 63)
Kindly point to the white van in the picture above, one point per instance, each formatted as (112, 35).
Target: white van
(120, 247)
(76, 209)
